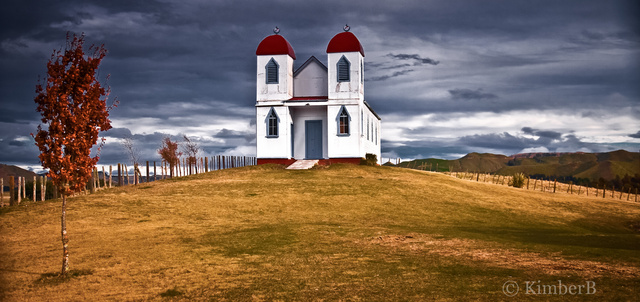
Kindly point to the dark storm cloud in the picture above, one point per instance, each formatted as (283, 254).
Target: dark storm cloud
(468, 94)
(417, 60)
(386, 77)
(227, 133)
(185, 64)
(512, 144)
(635, 135)
(545, 134)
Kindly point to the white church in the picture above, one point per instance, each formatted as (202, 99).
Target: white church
(316, 112)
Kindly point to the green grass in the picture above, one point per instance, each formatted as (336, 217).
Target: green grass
(340, 233)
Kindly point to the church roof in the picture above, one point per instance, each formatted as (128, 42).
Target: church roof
(275, 45)
(345, 42)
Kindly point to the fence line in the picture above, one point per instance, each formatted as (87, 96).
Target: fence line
(100, 180)
(551, 186)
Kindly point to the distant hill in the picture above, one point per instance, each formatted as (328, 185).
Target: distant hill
(592, 166)
(6, 171)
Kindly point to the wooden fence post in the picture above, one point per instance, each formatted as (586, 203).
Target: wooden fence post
(92, 181)
(555, 181)
(155, 175)
(206, 164)
(34, 188)
(110, 175)
(147, 171)
(24, 188)
(42, 197)
(19, 189)
(604, 191)
(12, 184)
(629, 193)
(1, 192)
(97, 178)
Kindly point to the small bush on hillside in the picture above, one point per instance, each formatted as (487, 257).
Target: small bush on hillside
(518, 180)
(370, 160)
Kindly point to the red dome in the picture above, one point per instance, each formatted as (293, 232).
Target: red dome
(275, 45)
(345, 42)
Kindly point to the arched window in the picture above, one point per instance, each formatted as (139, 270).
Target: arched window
(362, 123)
(272, 72)
(343, 121)
(368, 128)
(343, 69)
(272, 123)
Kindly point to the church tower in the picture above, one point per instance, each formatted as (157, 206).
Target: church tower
(345, 58)
(274, 79)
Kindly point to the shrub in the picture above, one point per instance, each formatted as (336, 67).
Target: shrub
(370, 160)
(518, 180)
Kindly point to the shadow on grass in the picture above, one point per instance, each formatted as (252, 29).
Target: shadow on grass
(174, 292)
(58, 278)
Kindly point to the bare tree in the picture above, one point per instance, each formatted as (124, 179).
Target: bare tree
(132, 151)
(191, 149)
(134, 156)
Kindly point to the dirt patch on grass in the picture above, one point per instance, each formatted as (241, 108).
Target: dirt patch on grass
(477, 251)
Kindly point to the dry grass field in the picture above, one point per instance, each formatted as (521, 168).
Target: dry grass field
(345, 232)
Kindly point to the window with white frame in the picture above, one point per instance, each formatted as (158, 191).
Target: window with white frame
(343, 121)
(361, 122)
(272, 123)
(368, 127)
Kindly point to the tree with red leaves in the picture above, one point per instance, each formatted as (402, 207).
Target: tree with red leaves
(169, 153)
(73, 105)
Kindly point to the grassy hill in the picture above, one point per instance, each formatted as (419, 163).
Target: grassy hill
(344, 232)
(555, 165)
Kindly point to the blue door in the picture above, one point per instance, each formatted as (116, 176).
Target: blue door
(313, 139)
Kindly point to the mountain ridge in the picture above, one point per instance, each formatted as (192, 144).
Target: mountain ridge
(607, 166)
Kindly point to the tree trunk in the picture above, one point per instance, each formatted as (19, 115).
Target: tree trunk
(65, 238)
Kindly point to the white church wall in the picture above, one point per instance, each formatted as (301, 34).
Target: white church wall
(370, 135)
(310, 81)
(343, 146)
(273, 147)
(275, 92)
(353, 89)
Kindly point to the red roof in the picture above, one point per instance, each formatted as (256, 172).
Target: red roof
(345, 42)
(275, 45)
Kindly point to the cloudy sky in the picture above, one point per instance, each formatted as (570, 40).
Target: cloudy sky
(446, 77)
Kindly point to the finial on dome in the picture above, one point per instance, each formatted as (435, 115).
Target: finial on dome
(346, 27)
(276, 30)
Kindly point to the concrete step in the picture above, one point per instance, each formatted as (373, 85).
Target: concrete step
(303, 164)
